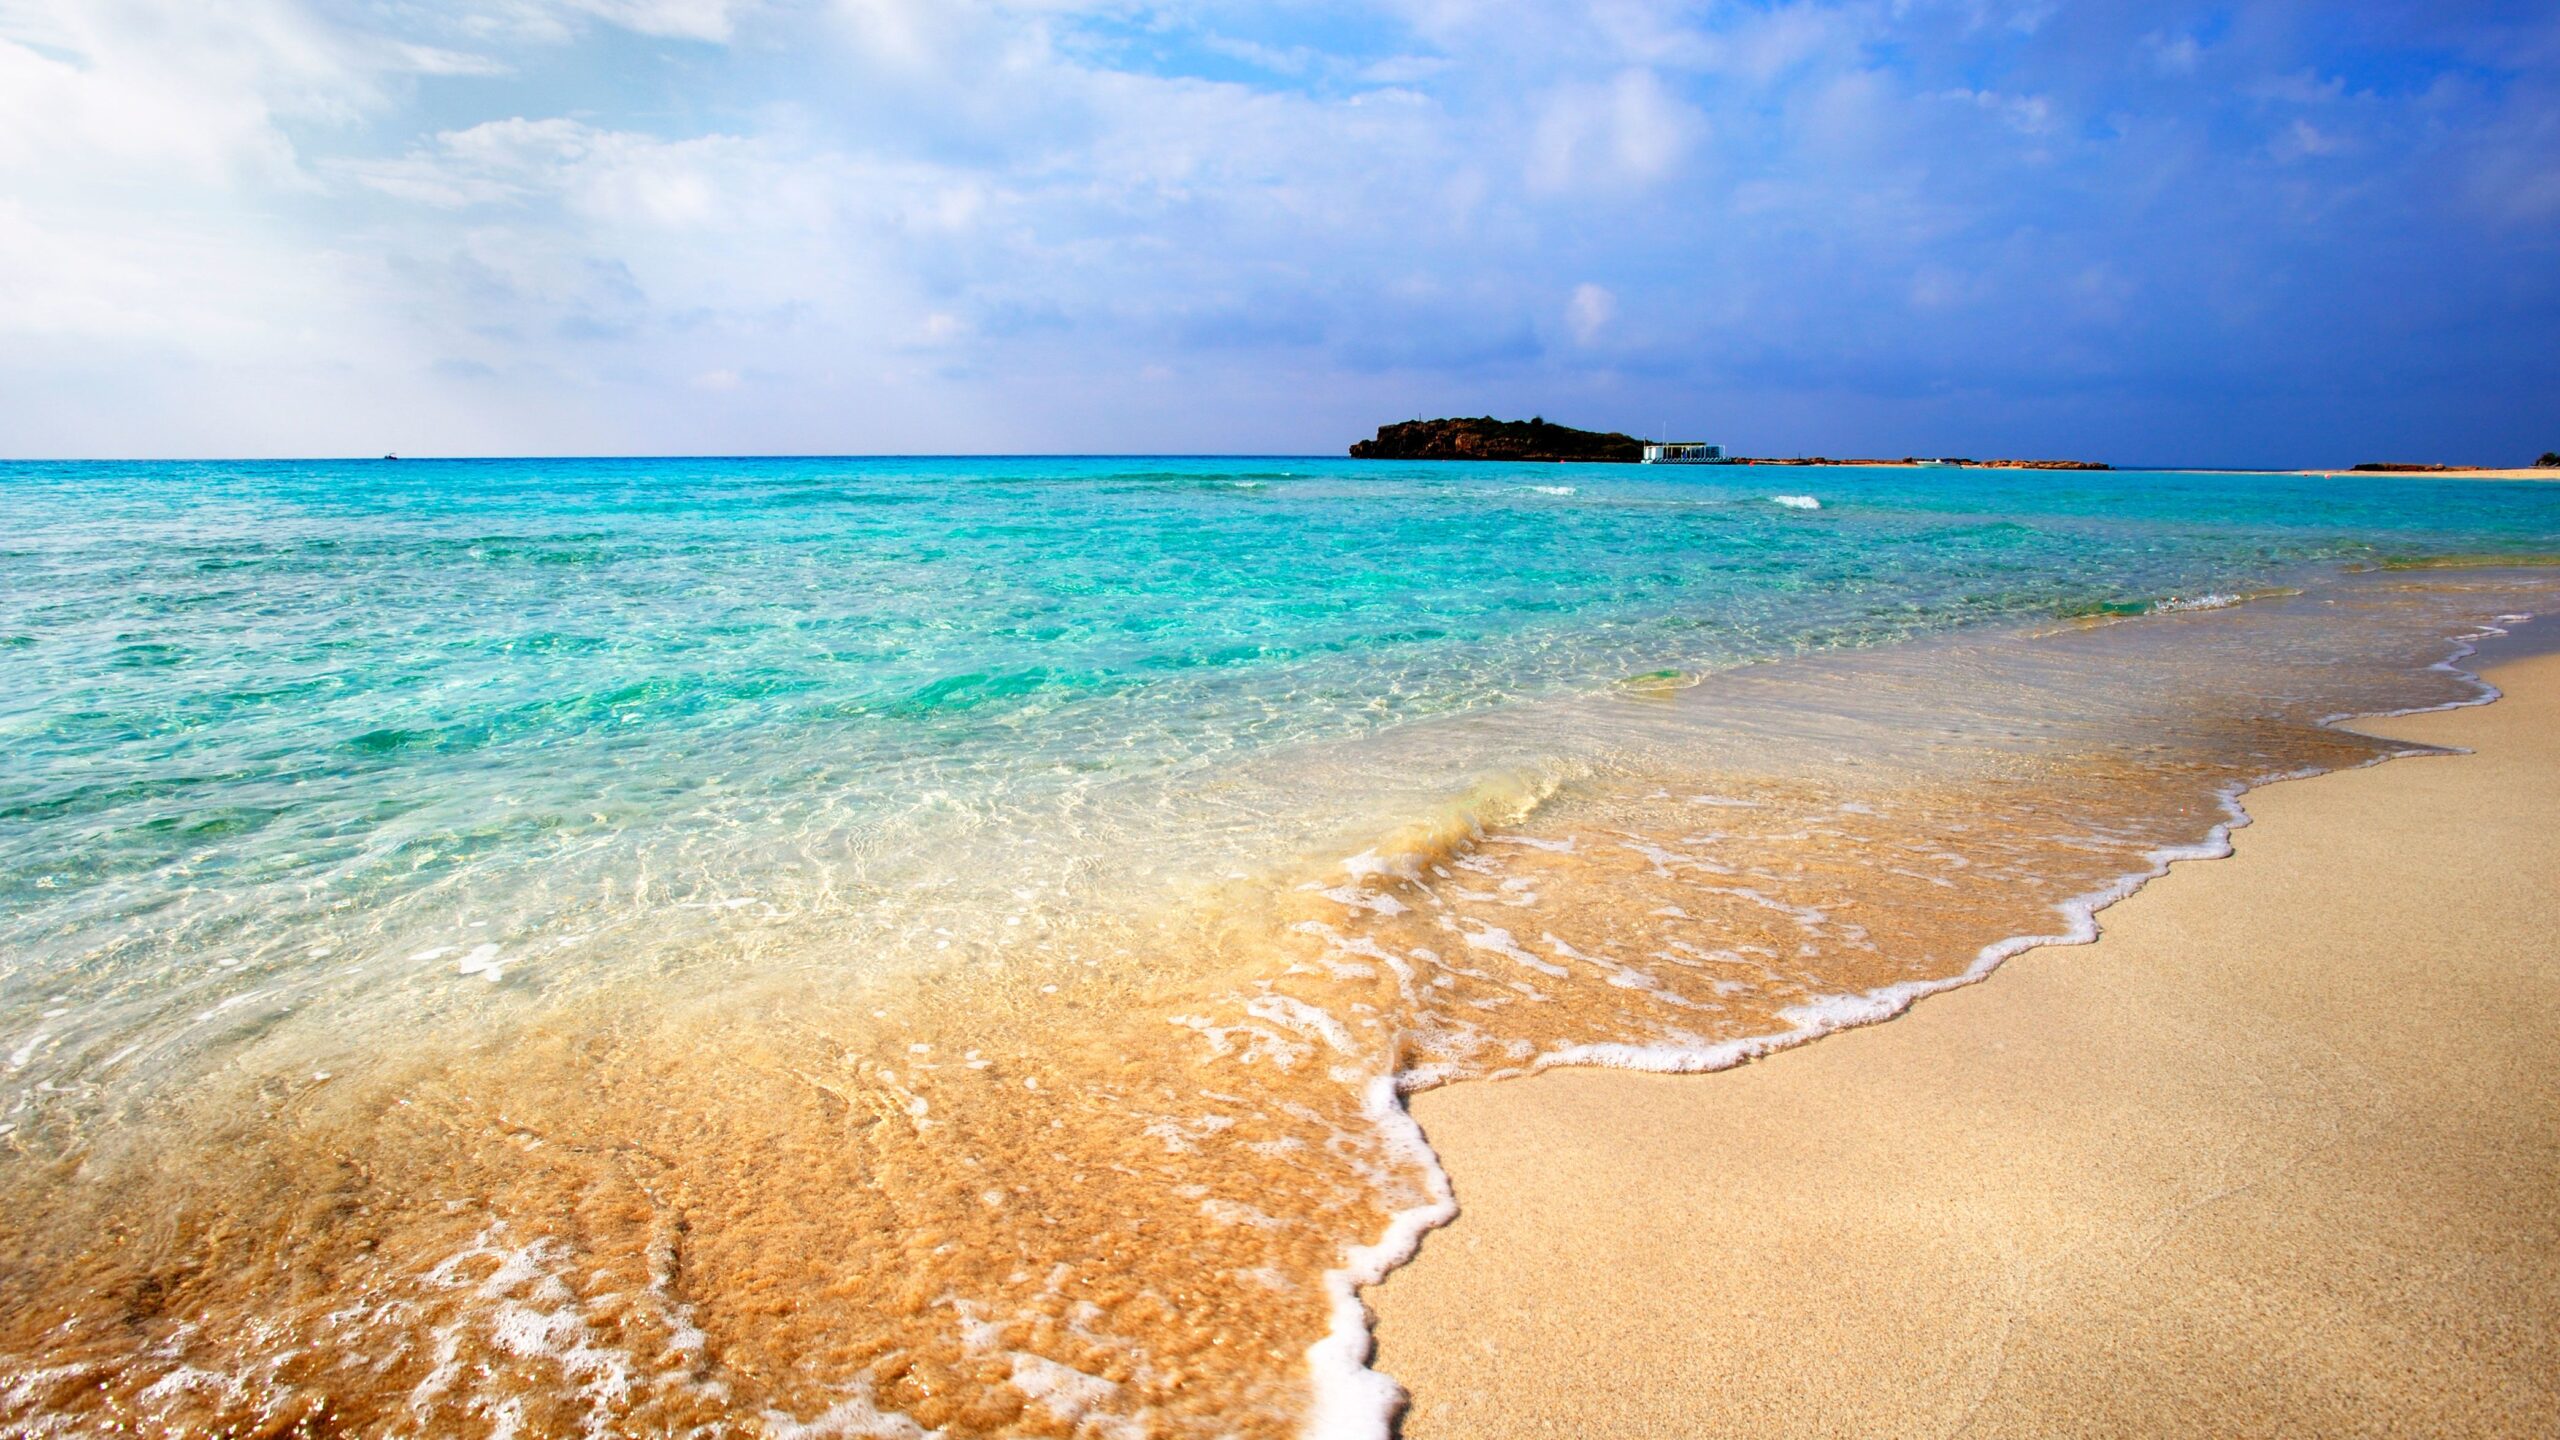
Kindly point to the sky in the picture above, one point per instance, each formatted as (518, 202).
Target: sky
(2255, 234)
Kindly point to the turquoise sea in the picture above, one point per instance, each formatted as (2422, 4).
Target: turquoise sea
(317, 683)
(316, 776)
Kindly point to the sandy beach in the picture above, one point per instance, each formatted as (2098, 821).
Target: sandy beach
(2280, 1154)
(2513, 472)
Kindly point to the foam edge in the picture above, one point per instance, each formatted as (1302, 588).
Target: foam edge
(1350, 1400)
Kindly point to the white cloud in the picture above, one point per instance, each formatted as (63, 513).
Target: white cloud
(558, 22)
(1764, 46)
(2302, 87)
(1938, 288)
(436, 60)
(711, 20)
(2026, 114)
(1630, 131)
(167, 90)
(2173, 54)
(1589, 312)
(2303, 140)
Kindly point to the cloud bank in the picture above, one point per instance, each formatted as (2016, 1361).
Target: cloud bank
(2255, 234)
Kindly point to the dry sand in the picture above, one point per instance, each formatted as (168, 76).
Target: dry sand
(2280, 1155)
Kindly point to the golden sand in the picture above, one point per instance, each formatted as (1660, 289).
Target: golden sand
(2280, 1155)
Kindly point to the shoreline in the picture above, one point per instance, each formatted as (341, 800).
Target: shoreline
(1709, 1262)
(2450, 472)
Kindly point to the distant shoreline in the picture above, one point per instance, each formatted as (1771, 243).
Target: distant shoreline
(2446, 472)
(1539, 441)
(1919, 464)
(2331, 472)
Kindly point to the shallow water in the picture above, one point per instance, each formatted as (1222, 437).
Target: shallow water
(541, 947)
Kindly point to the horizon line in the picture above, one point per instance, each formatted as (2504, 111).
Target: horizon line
(396, 457)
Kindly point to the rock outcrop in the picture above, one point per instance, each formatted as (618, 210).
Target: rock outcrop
(1486, 438)
(1491, 439)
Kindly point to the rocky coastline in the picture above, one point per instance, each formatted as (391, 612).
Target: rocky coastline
(1486, 438)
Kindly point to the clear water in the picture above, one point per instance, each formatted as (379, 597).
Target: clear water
(312, 772)
(303, 686)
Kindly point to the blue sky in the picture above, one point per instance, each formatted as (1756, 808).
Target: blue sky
(2250, 234)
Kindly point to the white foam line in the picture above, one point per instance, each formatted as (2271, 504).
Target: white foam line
(1824, 1014)
(1354, 1402)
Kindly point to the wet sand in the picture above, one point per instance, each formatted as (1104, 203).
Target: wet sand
(2279, 1155)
